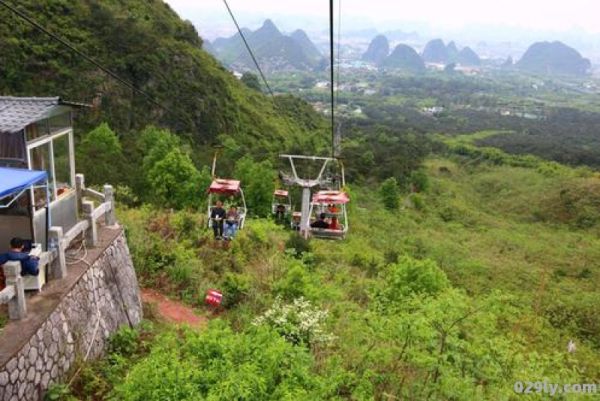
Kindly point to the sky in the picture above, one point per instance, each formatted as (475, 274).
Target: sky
(445, 15)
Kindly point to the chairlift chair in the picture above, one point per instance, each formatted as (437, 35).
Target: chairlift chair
(281, 203)
(227, 188)
(333, 205)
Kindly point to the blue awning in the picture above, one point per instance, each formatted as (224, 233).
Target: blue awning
(14, 180)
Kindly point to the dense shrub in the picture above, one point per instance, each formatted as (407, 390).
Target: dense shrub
(410, 277)
(218, 364)
(390, 194)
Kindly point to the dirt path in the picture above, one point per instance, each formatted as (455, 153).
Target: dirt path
(172, 311)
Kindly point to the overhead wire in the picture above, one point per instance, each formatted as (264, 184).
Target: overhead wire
(88, 58)
(264, 78)
(338, 135)
(332, 76)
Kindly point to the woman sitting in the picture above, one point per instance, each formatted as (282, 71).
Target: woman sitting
(231, 222)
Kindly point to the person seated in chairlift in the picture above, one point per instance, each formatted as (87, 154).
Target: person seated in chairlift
(231, 222)
(320, 223)
(217, 215)
(29, 264)
(279, 212)
(333, 210)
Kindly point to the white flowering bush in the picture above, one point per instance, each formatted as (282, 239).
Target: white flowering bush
(298, 322)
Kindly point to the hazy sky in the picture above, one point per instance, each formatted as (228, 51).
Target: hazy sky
(547, 15)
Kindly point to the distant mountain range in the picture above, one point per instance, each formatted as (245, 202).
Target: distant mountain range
(540, 58)
(273, 50)
(437, 52)
(406, 58)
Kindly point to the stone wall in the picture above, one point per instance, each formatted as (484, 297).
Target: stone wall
(102, 298)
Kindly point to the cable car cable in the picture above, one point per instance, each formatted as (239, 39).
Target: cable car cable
(65, 43)
(331, 62)
(248, 47)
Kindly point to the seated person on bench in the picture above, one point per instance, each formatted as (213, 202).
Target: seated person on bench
(29, 264)
(321, 223)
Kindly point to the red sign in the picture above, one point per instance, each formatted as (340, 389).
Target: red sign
(213, 298)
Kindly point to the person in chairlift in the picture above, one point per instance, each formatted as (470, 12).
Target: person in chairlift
(218, 214)
(321, 223)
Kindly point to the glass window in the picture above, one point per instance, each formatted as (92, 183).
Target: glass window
(59, 123)
(36, 130)
(62, 164)
(40, 160)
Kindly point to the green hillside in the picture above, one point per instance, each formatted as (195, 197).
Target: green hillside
(469, 286)
(465, 270)
(146, 43)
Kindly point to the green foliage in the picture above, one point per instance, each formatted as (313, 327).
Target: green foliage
(124, 342)
(295, 283)
(298, 244)
(419, 180)
(175, 181)
(100, 156)
(390, 194)
(218, 364)
(410, 277)
(59, 392)
(258, 180)
(235, 288)
(251, 81)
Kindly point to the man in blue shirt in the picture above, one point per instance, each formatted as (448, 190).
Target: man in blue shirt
(29, 264)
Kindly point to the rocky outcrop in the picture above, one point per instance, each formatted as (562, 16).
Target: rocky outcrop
(468, 57)
(378, 50)
(553, 58)
(436, 52)
(405, 58)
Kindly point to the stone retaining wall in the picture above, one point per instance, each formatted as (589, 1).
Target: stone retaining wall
(105, 297)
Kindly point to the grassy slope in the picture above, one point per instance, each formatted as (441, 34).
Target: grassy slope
(477, 222)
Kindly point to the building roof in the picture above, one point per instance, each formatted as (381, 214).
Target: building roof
(18, 112)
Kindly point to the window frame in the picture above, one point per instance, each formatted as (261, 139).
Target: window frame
(49, 139)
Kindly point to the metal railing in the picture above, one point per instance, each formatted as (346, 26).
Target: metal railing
(55, 257)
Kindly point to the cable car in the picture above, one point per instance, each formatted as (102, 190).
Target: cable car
(225, 188)
(330, 208)
(281, 205)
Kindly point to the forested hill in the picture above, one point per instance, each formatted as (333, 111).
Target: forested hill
(146, 43)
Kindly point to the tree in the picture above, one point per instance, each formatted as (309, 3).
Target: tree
(100, 156)
(258, 180)
(390, 194)
(251, 81)
(419, 180)
(175, 182)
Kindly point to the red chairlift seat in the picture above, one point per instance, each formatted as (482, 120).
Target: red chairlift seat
(281, 197)
(320, 204)
(227, 187)
(223, 186)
